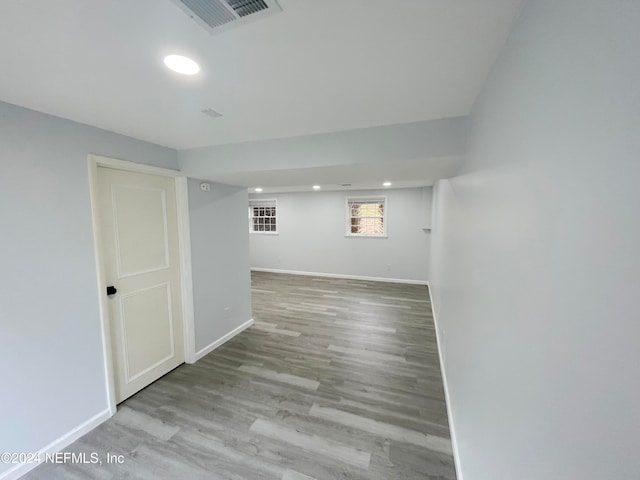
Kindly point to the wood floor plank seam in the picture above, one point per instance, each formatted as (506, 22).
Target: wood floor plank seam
(385, 430)
(332, 450)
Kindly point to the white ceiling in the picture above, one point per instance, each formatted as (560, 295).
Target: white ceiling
(319, 66)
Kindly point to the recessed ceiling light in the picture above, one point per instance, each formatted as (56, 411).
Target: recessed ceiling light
(181, 64)
(316, 187)
(386, 184)
(258, 189)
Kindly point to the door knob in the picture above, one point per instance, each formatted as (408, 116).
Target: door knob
(111, 290)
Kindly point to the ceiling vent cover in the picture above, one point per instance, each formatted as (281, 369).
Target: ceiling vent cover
(220, 15)
(211, 112)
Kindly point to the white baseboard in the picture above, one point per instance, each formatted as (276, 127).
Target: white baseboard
(57, 445)
(452, 427)
(225, 338)
(339, 275)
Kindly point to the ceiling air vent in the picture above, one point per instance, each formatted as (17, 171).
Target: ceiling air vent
(211, 112)
(220, 15)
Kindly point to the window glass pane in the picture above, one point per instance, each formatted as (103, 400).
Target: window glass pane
(366, 218)
(262, 217)
(372, 211)
(368, 226)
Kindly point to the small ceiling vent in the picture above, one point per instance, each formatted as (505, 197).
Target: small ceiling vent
(217, 16)
(211, 112)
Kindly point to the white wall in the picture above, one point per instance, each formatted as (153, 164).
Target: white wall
(536, 264)
(409, 141)
(50, 337)
(311, 236)
(220, 260)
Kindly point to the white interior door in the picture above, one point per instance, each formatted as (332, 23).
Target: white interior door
(138, 224)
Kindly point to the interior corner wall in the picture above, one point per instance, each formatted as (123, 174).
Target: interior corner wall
(536, 272)
(311, 236)
(220, 260)
(50, 333)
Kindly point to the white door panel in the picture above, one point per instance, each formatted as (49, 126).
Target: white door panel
(138, 221)
(142, 312)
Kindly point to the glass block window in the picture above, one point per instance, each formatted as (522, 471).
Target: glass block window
(263, 216)
(366, 217)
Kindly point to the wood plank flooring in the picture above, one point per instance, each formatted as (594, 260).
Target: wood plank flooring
(337, 379)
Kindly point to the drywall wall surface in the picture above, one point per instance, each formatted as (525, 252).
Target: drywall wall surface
(50, 334)
(409, 141)
(535, 266)
(220, 260)
(311, 236)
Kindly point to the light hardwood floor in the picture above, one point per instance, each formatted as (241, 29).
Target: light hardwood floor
(337, 379)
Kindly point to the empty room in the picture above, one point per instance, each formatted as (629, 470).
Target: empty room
(314, 240)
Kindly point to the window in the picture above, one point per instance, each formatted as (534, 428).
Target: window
(262, 216)
(366, 217)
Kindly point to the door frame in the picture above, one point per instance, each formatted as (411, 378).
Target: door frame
(184, 247)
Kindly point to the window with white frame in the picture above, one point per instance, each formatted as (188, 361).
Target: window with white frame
(367, 217)
(262, 216)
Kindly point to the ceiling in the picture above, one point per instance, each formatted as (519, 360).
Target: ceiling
(319, 66)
